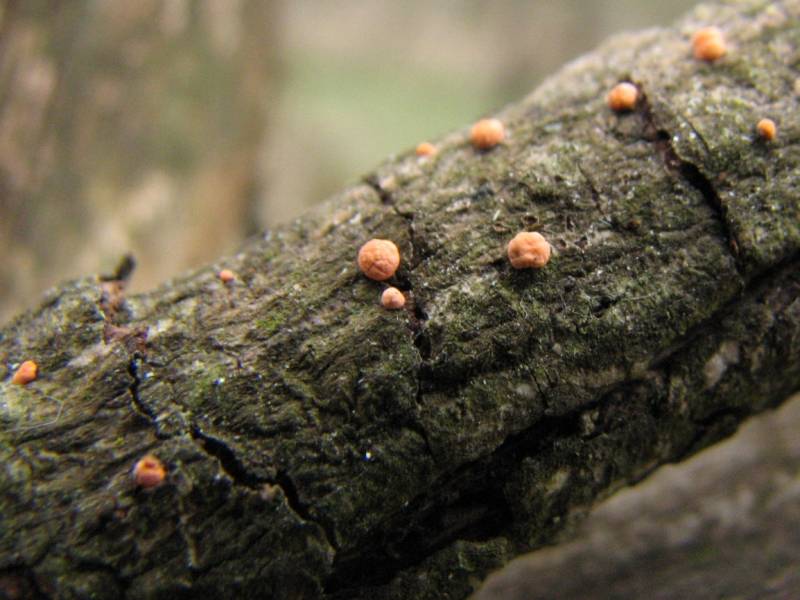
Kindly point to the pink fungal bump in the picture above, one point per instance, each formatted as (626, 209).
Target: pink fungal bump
(226, 276)
(487, 133)
(379, 259)
(392, 299)
(28, 371)
(149, 472)
(708, 44)
(767, 130)
(528, 250)
(622, 97)
(425, 149)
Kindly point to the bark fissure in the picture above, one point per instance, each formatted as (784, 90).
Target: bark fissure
(662, 138)
(139, 406)
(474, 492)
(228, 460)
(240, 475)
(313, 438)
(19, 581)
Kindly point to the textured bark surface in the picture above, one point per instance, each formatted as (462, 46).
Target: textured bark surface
(319, 446)
(721, 525)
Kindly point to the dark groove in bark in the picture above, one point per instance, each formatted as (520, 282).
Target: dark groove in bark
(139, 407)
(234, 468)
(473, 492)
(689, 172)
(20, 582)
(227, 459)
(373, 182)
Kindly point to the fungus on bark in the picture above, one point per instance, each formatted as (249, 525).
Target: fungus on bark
(708, 44)
(622, 97)
(528, 250)
(378, 259)
(27, 372)
(149, 472)
(767, 129)
(487, 133)
(392, 298)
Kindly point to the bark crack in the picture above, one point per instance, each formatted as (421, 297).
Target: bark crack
(240, 475)
(471, 504)
(139, 407)
(688, 171)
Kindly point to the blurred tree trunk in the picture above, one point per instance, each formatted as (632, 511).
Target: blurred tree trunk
(127, 127)
(318, 446)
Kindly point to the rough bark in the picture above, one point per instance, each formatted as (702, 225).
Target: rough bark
(319, 446)
(721, 525)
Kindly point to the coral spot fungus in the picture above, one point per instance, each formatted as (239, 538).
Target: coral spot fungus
(708, 44)
(622, 97)
(487, 133)
(226, 276)
(392, 298)
(27, 372)
(379, 259)
(149, 472)
(767, 129)
(528, 250)
(426, 149)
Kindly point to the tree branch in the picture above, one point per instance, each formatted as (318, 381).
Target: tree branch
(319, 446)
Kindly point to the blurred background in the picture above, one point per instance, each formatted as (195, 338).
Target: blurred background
(173, 129)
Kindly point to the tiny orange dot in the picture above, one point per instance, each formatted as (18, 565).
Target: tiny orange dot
(708, 44)
(426, 149)
(528, 250)
(392, 298)
(226, 275)
(27, 372)
(487, 133)
(149, 472)
(767, 129)
(622, 97)
(379, 259)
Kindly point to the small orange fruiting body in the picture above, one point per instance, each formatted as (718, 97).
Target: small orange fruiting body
(392, 298)
(149, 472)
(426, 149)
(528, 250)
(379, 259)
(708, 44)
(622, 97)
(27, 372)
(487, 133)
(226, 275)
(767, 129)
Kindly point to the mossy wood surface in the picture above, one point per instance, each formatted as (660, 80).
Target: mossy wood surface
(722, 524)
(319, 446)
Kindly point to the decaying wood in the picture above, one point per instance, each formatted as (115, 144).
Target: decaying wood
(319, 446)
(721, 525)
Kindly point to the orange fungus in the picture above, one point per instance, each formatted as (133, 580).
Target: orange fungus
(767, 129)
(392, 298)
(708, 44)
(487, 133)
(528, 250)
(622, 97)
(149, 472)
(27, 372)
(379, 259)
(426, 149)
